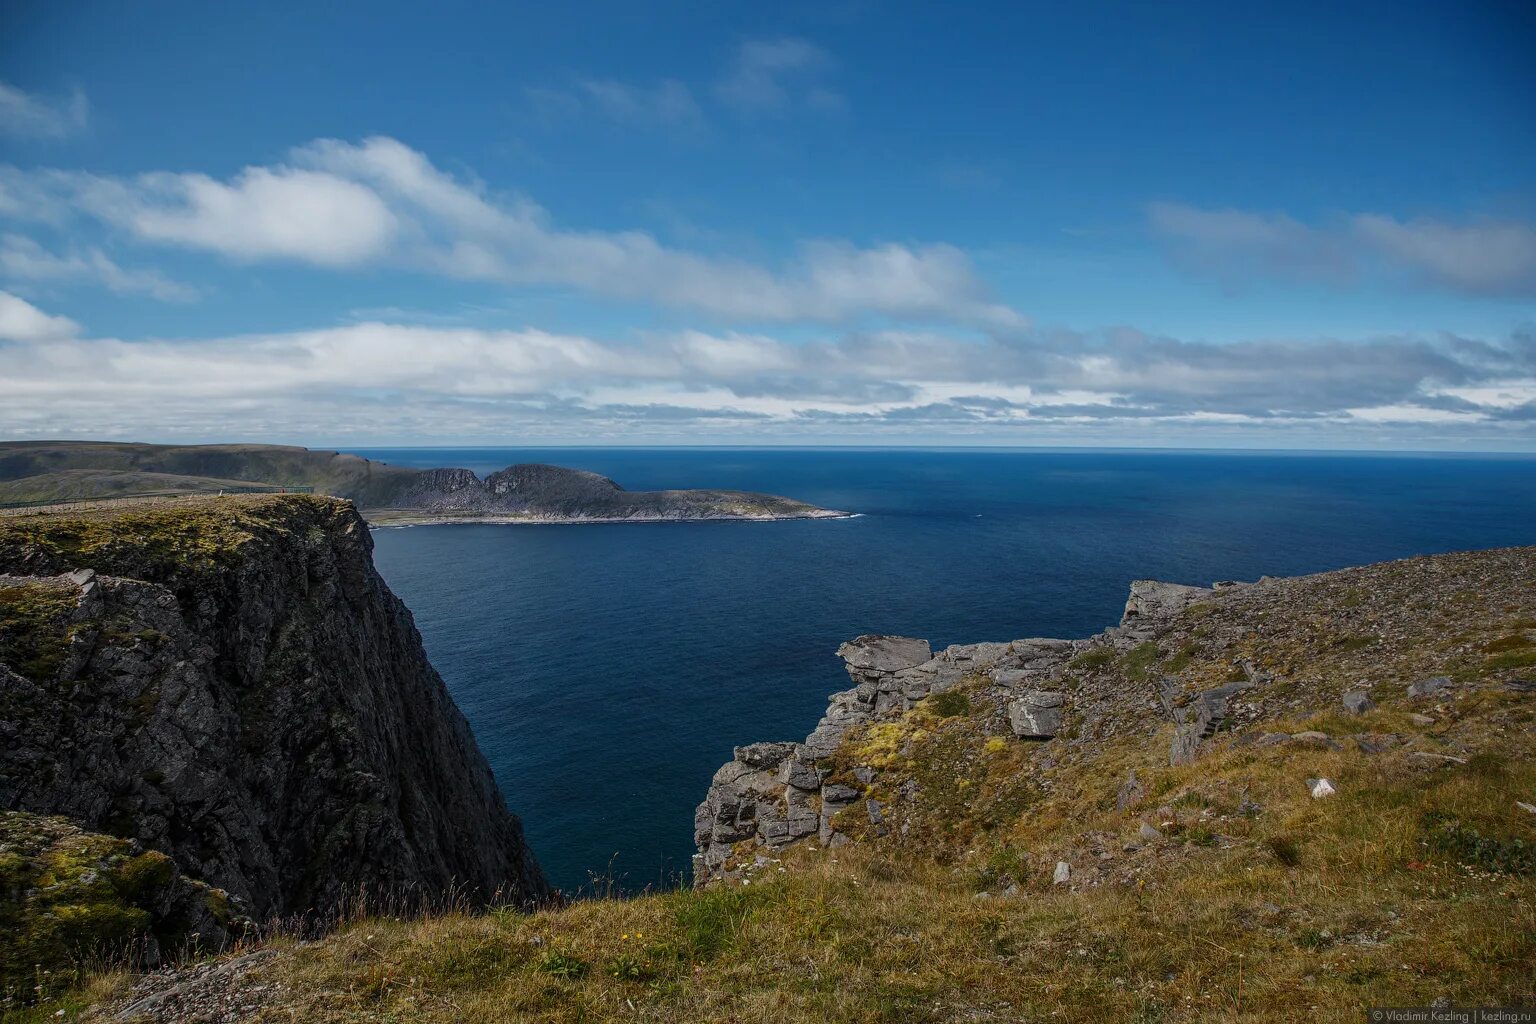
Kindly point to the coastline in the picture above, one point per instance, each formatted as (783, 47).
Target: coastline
(385, 518)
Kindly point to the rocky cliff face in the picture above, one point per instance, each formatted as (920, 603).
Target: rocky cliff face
(231, 682)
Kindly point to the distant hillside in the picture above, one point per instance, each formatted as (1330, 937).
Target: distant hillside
(59, 471)
(76, 470)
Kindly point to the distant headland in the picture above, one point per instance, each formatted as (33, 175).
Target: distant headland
(55, 472)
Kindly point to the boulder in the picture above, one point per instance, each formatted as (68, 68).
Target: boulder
(1036, 715)
(1063, 873)
(1358, 702)
(1320, 788)
(873, 653)
(1429, 687)
(800, 774)
(1186, 744)
(764, 755)
(1152, 599)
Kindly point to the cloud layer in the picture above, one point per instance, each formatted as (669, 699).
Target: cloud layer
(23, 259)
(430, 382)
(1487, 257)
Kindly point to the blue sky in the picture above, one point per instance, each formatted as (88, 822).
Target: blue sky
(1207, 224)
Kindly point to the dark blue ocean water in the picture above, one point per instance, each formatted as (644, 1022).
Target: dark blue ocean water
(607, 670)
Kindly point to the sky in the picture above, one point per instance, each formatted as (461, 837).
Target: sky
(1177, 225)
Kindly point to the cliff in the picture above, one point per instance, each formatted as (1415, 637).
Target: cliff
(62, 471)
(229, 681)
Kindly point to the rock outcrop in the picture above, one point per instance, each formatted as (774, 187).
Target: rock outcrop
(774, 794)
(230, 681)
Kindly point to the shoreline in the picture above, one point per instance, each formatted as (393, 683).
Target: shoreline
(407, 518)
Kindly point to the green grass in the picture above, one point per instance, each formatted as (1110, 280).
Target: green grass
(73, 901)
(35, 628)
(1137, 663)
(1098, 658)
(1512, 659)
(949, 704)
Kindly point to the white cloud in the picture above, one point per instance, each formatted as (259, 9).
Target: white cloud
(771, 76)
(20, 321)
(262, 213)
(23, 259)
(30, 115)
(341, 204)
(1481, 258)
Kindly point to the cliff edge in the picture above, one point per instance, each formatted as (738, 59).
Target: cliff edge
(230, 682)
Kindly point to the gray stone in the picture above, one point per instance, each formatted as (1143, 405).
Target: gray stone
(873, 809)
(876, 653)
(1186, 744)
(1149, 833)
(1358, 702)
(837, 793)
(1063, 873)
(764, 755)
(1036, 715)
(1429, 687)
(1312, 738)
(1151, 599)
(800, 774)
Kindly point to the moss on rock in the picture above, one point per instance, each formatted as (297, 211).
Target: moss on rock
(72, 900)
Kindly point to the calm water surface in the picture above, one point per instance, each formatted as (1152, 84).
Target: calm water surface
(607, 670)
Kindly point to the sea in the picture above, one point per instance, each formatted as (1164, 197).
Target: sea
(608, 669)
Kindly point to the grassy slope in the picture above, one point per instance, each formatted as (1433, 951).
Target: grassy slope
(1256, 902)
